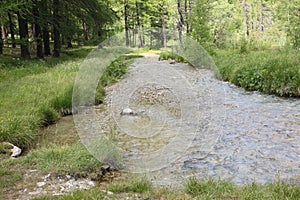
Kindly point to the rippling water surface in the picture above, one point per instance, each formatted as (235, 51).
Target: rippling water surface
(222, 131)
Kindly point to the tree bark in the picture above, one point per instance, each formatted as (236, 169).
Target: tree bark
(126, 22)
(12, 30)
(45, 28)
(85, 31)
(140, 38)
(163, 26)
(246, 10)
(5, 35)
(262, 19)
(23, 31)
(180, 22)
(37, 31)
(56, 32)
(1, 41)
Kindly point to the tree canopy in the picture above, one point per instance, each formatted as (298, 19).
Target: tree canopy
(41, 27)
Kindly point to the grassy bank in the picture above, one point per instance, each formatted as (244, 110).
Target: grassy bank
(35, 93)
(270, 71)
(141, 188)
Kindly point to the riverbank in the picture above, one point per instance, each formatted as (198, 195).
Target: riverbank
(60, 154)
(271, 71)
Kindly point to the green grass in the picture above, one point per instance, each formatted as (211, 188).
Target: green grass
(140, 185)
(8, 177)
(92, 194)
(31, 90)
(172, 56)
(218, 189)
(271, 71)
(68, 159)
(194, 189)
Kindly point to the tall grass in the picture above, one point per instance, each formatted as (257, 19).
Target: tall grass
(26, 88)
(33, 92)
(217, 189)
(272, 71)
(68, 159)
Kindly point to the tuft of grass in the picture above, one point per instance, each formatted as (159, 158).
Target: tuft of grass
(172, 56)
(49, 116)
(140, 185)
(210, 189)
(69, 159)
(63, 102)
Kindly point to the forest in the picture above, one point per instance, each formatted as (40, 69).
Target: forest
(42, 27)
(255, 45)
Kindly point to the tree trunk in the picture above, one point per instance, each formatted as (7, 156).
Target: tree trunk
(37, 32)
(246, 10)
(46, 40)
(45, 28)
(1, 41)
(23, 31)
(12, 30)
(163, 29)
(139, 25)
(187, 8)
(180, 22)
(262, 19)
(5, 35)
(69, 42)
(56, 33)
(126, 22)
(85, 31)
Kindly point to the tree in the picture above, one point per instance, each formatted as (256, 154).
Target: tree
(23, 32)
(12, 29)
(37, 30)
(180, 22)
(200, 18)
(56, 33)
(1, 41)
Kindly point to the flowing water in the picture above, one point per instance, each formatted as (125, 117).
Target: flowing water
(188, 123)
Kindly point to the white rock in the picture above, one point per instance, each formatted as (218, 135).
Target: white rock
(15, 151)
(41, 184)
(127, 111)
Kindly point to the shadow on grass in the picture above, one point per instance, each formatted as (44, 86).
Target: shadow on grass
(19, 66)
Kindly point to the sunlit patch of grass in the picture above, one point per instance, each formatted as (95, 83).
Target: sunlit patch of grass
(210, 188)
(218, 189)
(92, 194)
(68, 159)
(140, 185)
